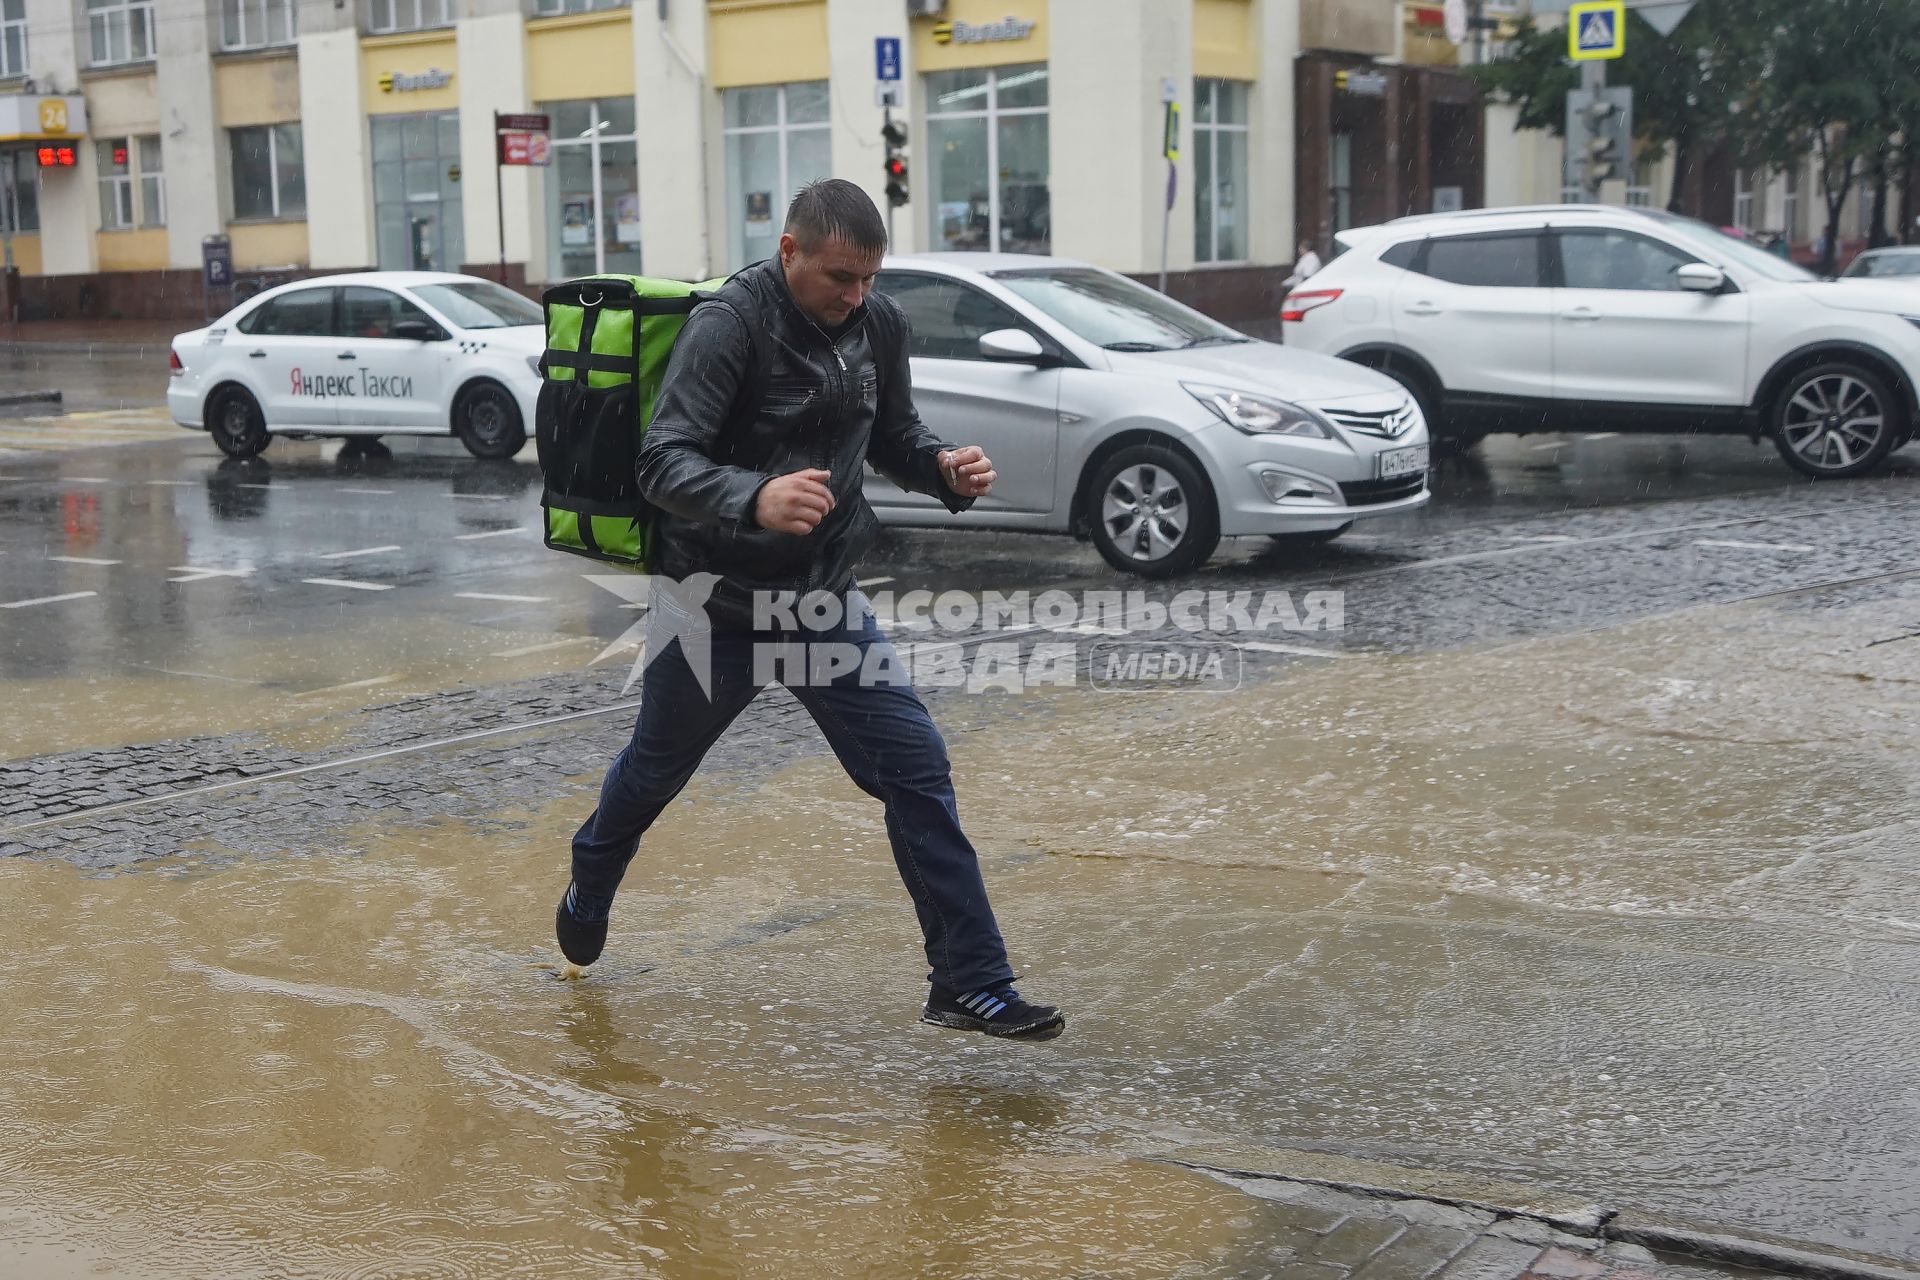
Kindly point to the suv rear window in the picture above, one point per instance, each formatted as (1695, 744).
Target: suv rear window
(1402, 255)
(1500, 260)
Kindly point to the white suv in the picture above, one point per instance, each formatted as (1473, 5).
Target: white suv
(1579, 317)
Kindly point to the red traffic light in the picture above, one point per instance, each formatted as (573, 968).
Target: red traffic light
(896, 167)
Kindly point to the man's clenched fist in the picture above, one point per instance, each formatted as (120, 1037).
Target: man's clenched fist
(968, 471)
(794, 503)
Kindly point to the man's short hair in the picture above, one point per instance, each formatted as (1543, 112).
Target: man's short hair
(835, 209)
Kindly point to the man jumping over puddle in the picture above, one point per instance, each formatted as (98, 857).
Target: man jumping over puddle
(764, 491)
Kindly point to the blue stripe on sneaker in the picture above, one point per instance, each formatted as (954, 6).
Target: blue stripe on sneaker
(998, 1005)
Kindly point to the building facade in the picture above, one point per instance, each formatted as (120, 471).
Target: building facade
(323, 135)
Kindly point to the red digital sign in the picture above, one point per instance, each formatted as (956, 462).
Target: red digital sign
(120, 156)
(55, 157)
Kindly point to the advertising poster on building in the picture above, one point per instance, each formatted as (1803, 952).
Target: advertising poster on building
(759, 208)
(626, 218)
(576, 222)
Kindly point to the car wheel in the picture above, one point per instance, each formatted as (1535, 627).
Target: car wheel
(488, 421)
(1836, 420)
(1317, 538)
(236, 424)
(1152, 512)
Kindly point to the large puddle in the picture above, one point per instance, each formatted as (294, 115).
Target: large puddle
(1632, 914)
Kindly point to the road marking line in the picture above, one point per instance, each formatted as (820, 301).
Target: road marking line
(482, 595)
(173, 484)
(490, 533)
(194, 574)
(873, 582)
(255, 486)
(71, 595)
(378, 493)
(350, 585)
(80, 560)
(87, 479)
(363, 551)
(1541, 448)
(1601, 435)
(480, 497)
(196, 675)
(1751, 546)
(542, 648)
(351, 684)
(1542, 537)
(1267, 646)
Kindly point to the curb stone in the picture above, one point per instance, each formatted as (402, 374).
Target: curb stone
(1535, 1218)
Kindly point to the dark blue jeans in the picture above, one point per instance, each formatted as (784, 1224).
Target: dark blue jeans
(879, 729)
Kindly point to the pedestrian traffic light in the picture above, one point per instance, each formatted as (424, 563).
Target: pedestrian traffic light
(895, 137)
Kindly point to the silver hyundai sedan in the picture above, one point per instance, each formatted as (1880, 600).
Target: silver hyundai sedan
(1113, 412)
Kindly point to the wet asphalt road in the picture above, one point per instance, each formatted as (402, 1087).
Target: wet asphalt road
(1589, 864)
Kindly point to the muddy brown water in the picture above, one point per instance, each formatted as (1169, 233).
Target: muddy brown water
(1630, 913)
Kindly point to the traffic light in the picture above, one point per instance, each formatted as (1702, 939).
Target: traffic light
(895, 137)
(1604, 154)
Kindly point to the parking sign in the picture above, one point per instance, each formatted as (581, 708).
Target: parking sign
(1596, 29)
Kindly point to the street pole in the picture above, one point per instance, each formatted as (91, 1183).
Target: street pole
(1593, 79)
(500, 195)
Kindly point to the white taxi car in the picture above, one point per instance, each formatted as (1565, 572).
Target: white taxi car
(369, 354)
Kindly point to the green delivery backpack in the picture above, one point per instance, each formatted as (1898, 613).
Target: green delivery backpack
(608, 342)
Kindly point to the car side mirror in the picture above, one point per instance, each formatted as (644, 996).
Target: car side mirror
(1015, 345)
(1699, 277)
(417, 330)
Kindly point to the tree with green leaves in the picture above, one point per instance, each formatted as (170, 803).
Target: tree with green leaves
(1687, 87)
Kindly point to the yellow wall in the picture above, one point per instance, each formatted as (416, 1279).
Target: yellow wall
(256, 91)
(1223, 40)
(588, 55)
(766, 41)
(409, 55)
(119, 105)
(26, 254)
(268, 244)
(930, 55)
(132, 250)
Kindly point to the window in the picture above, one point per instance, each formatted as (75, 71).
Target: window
(115, 163)
(1743, 193)
(1618, 260)
(987, 159)
(947, 318)
(153, 183)
(372, 313)
(13, 37)
(19, 192)
(1219, 170)
(1340, 183)
(593, 188)
(256, 24)
(1112, 310)
(416, 192)
(481, 304)
(407, 15)
(269, 179)
(1640, 190)
(1509, 260)
(777, 141)
(1402, 255)
(304, 313)
(1790, 207)
(119, 31)
(547, 8)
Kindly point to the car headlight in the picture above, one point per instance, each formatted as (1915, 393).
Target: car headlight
(1260, 415)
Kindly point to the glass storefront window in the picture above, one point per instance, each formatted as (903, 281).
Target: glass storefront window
(777, 141)
(987, 165)
(1219, 170)
(416, 197)
(593, 189)
(19, 192)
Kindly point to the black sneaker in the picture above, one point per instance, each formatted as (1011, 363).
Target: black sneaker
(581, 941)
(998, 1011)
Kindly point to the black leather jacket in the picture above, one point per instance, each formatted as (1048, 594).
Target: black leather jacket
(829, 400)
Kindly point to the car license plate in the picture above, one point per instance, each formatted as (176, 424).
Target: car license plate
(1401, 462)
